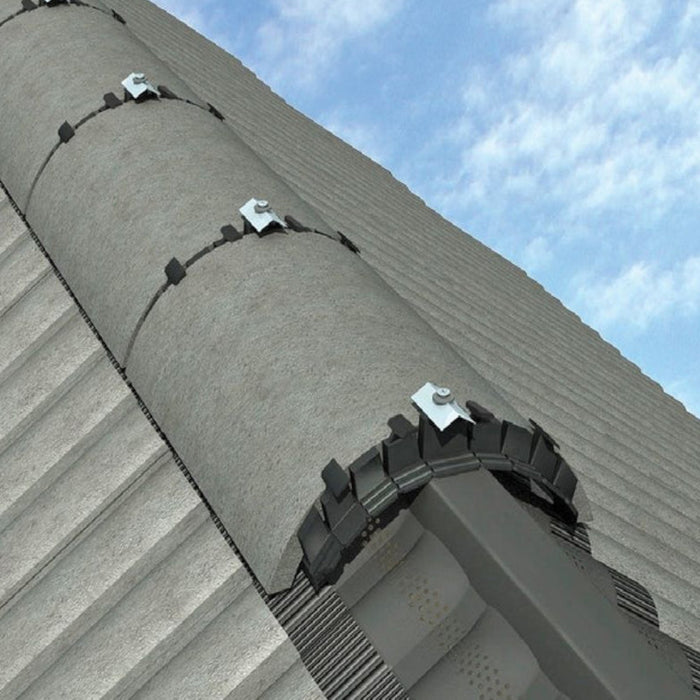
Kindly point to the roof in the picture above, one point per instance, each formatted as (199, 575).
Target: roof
(103, 357)
(631, 444)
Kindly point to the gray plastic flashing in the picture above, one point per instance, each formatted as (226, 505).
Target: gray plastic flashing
(580, 640)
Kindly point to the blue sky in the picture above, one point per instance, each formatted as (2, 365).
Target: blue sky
(565, 134)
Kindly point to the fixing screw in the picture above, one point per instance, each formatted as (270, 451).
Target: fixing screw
(442, 396)
(261, 206)
(139, 78)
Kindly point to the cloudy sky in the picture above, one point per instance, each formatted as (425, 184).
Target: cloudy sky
(565, 134)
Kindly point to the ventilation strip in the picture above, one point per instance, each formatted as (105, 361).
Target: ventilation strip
(386, 479)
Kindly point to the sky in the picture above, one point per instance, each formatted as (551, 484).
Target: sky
(564, 134)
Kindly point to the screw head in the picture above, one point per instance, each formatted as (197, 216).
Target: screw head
(442, 396)
(139, 78)
(262, 205)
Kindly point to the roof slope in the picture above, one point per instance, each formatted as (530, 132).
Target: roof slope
(633, 447)
(94, 503)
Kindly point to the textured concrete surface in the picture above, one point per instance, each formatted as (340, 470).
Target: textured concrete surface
(9, 8)
(140, 185)
(236, 656)
(21, 267)
(54, 433)
(284, 352)
(633, 446)
(294, 684)
(113, 658)
(96, 54)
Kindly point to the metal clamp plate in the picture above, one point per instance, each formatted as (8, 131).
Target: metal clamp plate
(439, 406)
(259, 215)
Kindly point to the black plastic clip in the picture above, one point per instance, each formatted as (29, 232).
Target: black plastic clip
(517, 442)
(215, 112)
(401, 455)
(175, 272)
(479, 414)
(322, 551)
(373, 488)
(294, 224)
(166, 93)
(28, 5)
(541, 431)
(112, 101)
(345, 516)
(66, 132)
(445, 451)
(231, 233)
(348, 243)
(118, 17)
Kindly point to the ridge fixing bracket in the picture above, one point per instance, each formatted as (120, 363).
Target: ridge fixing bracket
(138, 87)
(439, 405)
(259, 215)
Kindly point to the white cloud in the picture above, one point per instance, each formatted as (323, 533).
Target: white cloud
(536, 255)
(691, 18)
(597, 110)
(640, 294)
(300, 42)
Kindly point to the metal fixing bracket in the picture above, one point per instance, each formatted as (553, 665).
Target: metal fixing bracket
(439, 405)
(259, 215)
(138, 87)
